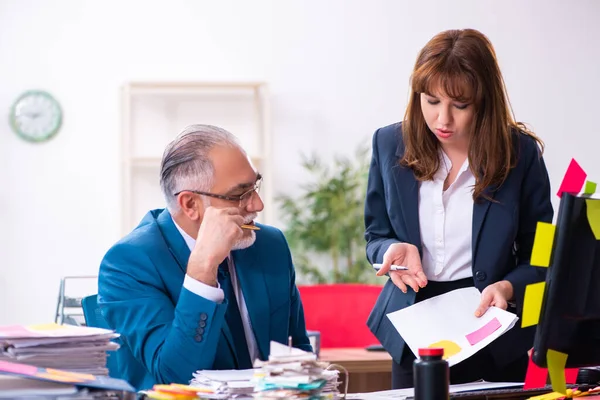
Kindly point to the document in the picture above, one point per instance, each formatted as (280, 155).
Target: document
(400, 394)
(448, 321)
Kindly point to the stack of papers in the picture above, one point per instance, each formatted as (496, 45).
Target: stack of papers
(68, 347)
(19, 381)
(294, 374)
(448, 321)
(223, 384)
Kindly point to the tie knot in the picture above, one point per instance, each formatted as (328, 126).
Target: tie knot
(224, 267)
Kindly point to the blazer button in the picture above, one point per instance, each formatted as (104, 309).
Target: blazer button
(200, 331)
(203, 316)
(480, 275)
(198, 338)
(202, 324)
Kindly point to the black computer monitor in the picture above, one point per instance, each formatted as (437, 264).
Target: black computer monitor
(570, 316)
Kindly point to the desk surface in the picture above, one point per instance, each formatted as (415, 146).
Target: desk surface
(358, 359)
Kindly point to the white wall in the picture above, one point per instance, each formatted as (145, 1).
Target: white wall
(338, 69)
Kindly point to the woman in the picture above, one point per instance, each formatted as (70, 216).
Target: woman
(455, 193)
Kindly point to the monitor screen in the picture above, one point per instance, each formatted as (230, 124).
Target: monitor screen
(570, 316)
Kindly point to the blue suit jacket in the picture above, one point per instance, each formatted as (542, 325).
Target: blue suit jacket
(168, 332)
(503, 232)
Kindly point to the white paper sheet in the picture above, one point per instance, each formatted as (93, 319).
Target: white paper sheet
(227, 375)
(448, 319)
(400, 394)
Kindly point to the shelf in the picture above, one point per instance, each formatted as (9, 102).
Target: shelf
(155, 112)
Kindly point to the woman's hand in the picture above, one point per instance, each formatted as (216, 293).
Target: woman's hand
(406, 255)
(497, 294)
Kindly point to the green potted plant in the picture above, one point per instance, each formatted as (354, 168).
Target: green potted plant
(325, 223)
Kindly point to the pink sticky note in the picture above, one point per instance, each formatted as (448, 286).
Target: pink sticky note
(535, 377)
(483, 332)
(21, 369)
(573, 180)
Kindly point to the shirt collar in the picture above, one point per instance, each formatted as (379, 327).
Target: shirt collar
(190, 241)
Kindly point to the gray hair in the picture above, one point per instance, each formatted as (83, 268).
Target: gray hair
(185, 164)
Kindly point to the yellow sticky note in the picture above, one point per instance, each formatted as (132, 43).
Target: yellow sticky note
(450, 347)
(532, 304)
(46, 327)
(548, 396)
(542, 244)
(593, 215)
(556, 368)
(590, 187)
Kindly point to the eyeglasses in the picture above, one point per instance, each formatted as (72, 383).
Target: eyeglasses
(242, 199)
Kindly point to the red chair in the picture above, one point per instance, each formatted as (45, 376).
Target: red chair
(339, 312)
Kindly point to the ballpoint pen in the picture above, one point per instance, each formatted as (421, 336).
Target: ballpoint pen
(377, 267)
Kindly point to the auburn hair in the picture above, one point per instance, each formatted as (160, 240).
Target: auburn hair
(462, 65)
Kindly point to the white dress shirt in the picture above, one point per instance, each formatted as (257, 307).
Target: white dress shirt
(446, 223)
(216, 294)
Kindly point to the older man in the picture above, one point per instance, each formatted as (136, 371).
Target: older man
(197, 286)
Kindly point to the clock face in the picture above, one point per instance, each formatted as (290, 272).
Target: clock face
(36, 116)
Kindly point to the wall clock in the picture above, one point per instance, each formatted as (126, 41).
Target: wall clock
(35, 116)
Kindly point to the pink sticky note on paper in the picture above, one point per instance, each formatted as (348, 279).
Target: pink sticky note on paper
(15, 368)
(483, 332)
(573, 180)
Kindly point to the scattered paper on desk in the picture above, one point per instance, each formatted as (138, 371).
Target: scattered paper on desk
(294, 374)
(573, 180)
(542, 244)
(222, 384)
(399, 394)
(279, 352)
(590, 187)
(227, 375)
(449, 317)
(556, 368)
(532, 303)
(593, 216)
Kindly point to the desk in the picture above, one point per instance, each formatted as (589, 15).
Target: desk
(369, 371)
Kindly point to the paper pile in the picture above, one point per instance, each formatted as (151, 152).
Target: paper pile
(223, 384)
(294, 374)
(25, 381)
(68, 347)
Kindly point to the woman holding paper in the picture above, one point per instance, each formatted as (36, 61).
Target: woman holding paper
(455, 193)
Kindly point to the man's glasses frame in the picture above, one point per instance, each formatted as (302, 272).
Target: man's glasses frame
(242, 199)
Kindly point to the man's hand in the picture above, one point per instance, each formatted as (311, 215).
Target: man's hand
(497, 294)
(406, 255)
(219, 231)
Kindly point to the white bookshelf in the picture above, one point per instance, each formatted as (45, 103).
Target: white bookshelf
(153, 113)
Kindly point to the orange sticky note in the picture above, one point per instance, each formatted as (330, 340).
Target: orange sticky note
(532, 304)
(593, 216)
(556, 367)
(542, 244)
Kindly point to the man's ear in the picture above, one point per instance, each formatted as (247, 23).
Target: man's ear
(191, 205)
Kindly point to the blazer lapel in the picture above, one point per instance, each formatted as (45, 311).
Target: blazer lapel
(407, 187)
(254, 289)
(480, 209)
(175, 242)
